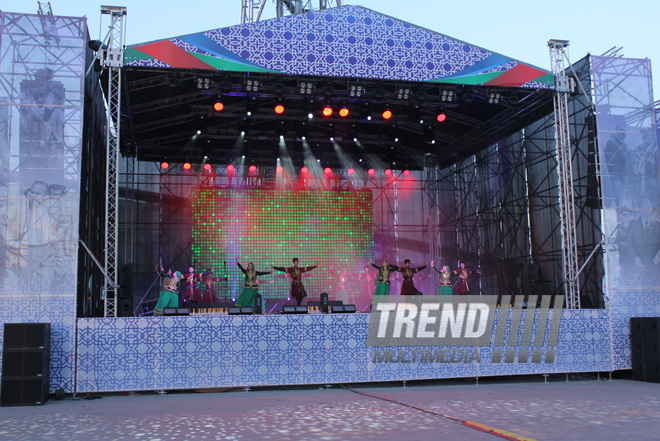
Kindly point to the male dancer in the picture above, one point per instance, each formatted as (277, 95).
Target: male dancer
(408, 287)
(210, 295)
(463, 274)
(295, 272)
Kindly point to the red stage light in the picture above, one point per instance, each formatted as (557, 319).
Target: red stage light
(304, 170)
(350, 171)
(343, 112)
(327, 170)
(441, 117)
(230, 168)
(387, 114)
(371, 172)
(253, 168)
(207, 167)
(218, 106)
(388, 172)
(406, 172)
(164, 165)
(187, 165)
(280, 169)
(327, 111)
(279, 109)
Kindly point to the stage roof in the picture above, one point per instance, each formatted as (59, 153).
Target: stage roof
(348, 41)
(348, 57)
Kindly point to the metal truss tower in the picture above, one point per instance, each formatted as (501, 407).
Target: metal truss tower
(251, 10)
(565, 85)
(111, 57)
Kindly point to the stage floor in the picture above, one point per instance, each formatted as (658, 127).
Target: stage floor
(581, 409)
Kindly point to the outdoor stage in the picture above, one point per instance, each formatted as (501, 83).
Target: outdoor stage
(196, 352)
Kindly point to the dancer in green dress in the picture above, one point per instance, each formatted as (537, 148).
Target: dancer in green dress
(251, 288)
(169, 290)
(444, 289)
(383, 279)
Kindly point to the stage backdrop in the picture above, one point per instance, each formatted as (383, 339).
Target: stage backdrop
(332, 229)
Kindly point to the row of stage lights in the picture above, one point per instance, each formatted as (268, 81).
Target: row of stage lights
(328, 111)
(303, 170)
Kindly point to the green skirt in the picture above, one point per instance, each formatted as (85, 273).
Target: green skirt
(247, 297)
(382, 289)
(166, 299)
(444, 290)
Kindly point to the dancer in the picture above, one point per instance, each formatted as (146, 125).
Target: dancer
(383, 279)
(342, 280)
(251, 287)
(169, 290)
(295, 272)
(463, 274)
(408, 287)
(210, 295)
(444, 289)
(192, 294)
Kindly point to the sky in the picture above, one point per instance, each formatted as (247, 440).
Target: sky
(516, 28)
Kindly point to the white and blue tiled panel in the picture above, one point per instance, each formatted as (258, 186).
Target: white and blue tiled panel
(216, 351)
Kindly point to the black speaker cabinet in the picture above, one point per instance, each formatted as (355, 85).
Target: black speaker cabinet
(645, 348)
(25, 364)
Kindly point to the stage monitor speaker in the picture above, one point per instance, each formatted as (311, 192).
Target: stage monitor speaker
(291, 309)
(324, 302)
(240, 310)
(26, 336)
(182, 311)
(23, 391)
(343, 308)
(258, 304)
(169, 311)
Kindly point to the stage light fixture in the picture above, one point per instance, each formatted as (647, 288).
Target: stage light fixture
(242, 132)
(164, 165)
(203, 83)
(387, 114)
(199, 132)
(304, 138)
(388, 172)
(252, 85)
(218, 106)
(441, 117)
(406, 172)
(350, 171)
(279, 109)
(343, 112)
(230, 168)
(327, 170)
(187, 166)
(447, 96)
(310, 115)
(253, 168)
(327, 111)
(396, 139)
(371, 172)
(306, 88)
(355, 140)
(403, 93)
(332, 138)
(355, 90)
(207, 167)
(304, 170)
(493, 98)
(279, 89)
(280, 169)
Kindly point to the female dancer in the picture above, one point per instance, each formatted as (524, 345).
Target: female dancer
(169, 290)
(383, 279)
(251, 288)
(444, 289)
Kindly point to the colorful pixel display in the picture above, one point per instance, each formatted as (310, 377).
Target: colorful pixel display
(268, 227)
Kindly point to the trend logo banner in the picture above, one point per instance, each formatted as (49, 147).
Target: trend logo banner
(468, 321)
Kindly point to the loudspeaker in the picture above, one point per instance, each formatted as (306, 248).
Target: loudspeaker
(25, 364)
(24, 391)
(324, 302)
(593, 199)
(125, 307)
(258, 309)
(240, 310)
(645, 348)
(26, 336)
(126, 275)
(343, 308)
(291, 309)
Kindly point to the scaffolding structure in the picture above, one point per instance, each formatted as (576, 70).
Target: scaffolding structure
(252, 10)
